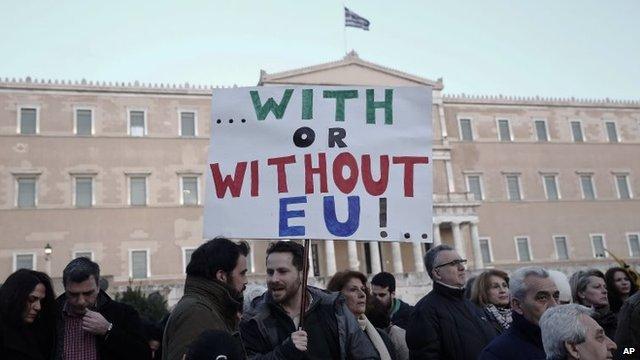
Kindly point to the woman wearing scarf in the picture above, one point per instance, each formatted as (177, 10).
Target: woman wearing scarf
(353, 286)
(490, 292)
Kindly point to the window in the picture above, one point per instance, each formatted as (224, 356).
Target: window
(634, 245)
(189, 190)
(84, 192)
(84, 122)
(513, 188)
(85, 254)
(138, 190)
(137, 123)
(576, 130)
(612, 133)
(588, 192)
(551, 187)
(485, 249)
(139, 264)
(474, 186)
(598, 245)
(465, 130)
(522, 245)
(541, 130)
(623, 187)
(186, 253)
(24, 261)
(187, 123)
(562, 253)
(28, 121)
(26, 192)
(503, 130)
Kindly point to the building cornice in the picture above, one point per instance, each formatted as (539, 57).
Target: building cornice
(351, 58)
(89, 86)
(464, 99)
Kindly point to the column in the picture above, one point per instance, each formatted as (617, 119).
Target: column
(330, 253)
(437, 240)
(352, 254)
(457, 239)
(374, 253)
(417, 257)
(449, 170)
(397, 257)
(475, 243)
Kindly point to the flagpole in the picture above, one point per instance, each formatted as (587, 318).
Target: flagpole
(344, 27)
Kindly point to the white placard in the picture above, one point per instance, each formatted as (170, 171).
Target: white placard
(320, 162)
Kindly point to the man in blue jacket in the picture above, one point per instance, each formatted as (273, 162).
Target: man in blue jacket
(533, 291)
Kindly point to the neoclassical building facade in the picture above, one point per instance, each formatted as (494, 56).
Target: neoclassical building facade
(115, 172)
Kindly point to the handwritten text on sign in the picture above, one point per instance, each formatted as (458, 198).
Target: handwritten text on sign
(320, 163)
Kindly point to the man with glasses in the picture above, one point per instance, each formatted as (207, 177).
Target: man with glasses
(444, 324)
(533, 291)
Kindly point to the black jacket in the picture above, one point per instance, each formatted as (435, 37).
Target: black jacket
(628, 331)
(266, 329)
(444, 325)
(25, 344)
(126, 339)
(522, 340)
(401, 317)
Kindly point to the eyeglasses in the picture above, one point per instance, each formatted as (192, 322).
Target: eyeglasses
(456, 262)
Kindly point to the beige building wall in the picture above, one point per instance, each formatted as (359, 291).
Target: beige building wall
(112, 229)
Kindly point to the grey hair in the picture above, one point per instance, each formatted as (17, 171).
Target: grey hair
(431, 255)
(516, 281)
(580, 280)
(562, 323)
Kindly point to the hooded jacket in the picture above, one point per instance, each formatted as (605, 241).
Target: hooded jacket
(205, 305)
(266, 329)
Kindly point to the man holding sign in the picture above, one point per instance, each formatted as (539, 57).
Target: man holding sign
(272, 328)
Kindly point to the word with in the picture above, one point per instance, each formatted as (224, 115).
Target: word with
(340, 96)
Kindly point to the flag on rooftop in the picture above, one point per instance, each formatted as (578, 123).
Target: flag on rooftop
(354, 20)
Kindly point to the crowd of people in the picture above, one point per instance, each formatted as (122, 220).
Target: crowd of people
(530, 313)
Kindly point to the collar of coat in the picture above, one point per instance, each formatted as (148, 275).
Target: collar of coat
(447, 290)
(530, 331)
(213, 290)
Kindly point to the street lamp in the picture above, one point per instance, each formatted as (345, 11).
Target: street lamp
(48, 250)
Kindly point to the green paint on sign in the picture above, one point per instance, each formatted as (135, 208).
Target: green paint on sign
(307, 104)
(270, 106)
(340, 96)
(387, 105)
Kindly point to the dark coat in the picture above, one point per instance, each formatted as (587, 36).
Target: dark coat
(445, 325)
(607, 319)
(126, 339)
(628, 331)
(522, 341)
(401, 317)
(265, 337)
(205, 305)
(21, 344)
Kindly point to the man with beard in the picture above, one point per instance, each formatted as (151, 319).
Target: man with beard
(272, 329)
(383, 286)
(212, 300)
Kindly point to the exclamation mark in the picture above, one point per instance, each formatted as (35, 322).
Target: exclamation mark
(383, 216)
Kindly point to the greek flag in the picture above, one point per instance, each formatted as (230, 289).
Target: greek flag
(354, 20)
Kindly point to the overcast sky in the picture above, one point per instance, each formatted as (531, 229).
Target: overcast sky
(581, 48)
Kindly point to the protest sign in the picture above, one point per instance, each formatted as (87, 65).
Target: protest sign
(320, 162)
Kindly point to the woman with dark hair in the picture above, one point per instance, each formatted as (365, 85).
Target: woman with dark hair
(490, 292)
(588, 288)
(353, 286)
(619, 287)
(28, 316)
